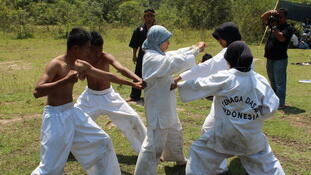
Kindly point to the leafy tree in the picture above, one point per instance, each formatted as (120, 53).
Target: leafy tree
(204, 13)
(66, 16)
(21, 24)
(43, 13)
(130, 12)
(91, 15)
(247, 16)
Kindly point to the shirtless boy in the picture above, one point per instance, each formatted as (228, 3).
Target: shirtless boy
(99, 98)
(66, 128)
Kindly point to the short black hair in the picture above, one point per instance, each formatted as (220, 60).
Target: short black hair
(77, 36)
(284, 10)
(96, 39)
(149, 10)
(206, 56)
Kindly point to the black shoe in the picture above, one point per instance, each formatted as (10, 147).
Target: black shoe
(132, 99)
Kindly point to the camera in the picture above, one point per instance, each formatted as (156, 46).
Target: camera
(273, 20)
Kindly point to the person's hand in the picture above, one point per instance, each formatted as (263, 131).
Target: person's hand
(201, 45)
(273, 12)
(174, 84)
(72, 76)
(138, 85)
(134, 59)
(144, 84)
(82, 66)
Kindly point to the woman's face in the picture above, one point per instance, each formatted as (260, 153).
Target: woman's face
(164, 46)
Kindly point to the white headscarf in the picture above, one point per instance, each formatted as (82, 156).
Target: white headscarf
(155, 37)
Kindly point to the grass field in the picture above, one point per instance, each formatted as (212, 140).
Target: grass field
(22, 62)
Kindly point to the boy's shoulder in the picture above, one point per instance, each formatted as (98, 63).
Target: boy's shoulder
(56, 62)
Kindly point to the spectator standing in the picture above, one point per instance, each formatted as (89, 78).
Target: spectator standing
(138, 37)
(276, 50)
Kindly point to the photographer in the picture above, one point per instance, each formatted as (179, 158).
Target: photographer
(276, 50)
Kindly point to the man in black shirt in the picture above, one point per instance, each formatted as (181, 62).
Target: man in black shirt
(138, 37)
(276, 50)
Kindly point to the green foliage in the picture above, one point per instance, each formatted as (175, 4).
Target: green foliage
(20, 16)
(22, 24)
(206, 14)
(247, 14)
(167, 15)
(130, 12)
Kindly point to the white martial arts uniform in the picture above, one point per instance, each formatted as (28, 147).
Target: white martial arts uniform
(208, 67)
(164, 133)
(242, 101)
(66, 128)
(108, 102)
(205, 69)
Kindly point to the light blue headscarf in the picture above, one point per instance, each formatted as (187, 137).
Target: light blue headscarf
(155, 37)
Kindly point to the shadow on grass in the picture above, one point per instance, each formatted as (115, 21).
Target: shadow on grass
(235, 167)
(175, 170)
(127, 159)
(71, 158)
(292, 110)
(126, 173)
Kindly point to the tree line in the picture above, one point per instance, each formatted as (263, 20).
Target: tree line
(23, 16)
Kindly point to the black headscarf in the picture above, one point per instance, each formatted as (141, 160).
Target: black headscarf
(227, 31)
(239, 56)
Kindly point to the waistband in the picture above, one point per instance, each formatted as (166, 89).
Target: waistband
(102, 92)
(60, 108)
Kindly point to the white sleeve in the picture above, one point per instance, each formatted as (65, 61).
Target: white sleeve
(270, 103)
(200, 70)
(202, 87)
(163, 65)
(186, 50)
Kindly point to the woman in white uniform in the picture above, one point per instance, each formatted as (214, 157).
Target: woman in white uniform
(225, 34)
(243, 99)
(164, 131)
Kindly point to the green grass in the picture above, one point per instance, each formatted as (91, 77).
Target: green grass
(23, 61)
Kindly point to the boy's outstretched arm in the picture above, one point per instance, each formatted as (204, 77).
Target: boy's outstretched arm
(123, 70)
(85, 68)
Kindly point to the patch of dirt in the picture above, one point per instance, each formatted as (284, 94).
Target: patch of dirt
(299, 121)
(19, 119)
(15, 65)
(9, 62)
(303, 163)
(291, 143)
(180, 109)
(299, 147)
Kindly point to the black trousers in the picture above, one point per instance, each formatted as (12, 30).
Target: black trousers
(136, 93)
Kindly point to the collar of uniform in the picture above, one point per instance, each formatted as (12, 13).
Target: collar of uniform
(236, 72)
(223, 50)
(153, 51)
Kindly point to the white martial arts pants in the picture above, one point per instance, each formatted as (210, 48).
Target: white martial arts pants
(205, 161)
(208, 123)
(66, 128)
(108, 102)
(166, 142)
